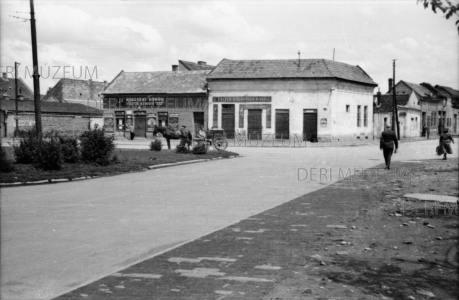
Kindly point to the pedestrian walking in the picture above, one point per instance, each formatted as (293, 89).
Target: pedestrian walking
(428, 132)
(445, 141)
(387, 143)
(424, 130)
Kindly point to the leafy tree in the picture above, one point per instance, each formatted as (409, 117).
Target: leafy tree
(448, 8)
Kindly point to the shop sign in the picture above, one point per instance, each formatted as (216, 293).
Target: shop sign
(153, 102)
(243, 99)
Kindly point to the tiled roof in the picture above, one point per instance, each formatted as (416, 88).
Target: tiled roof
(288, 68)
(195, 66)
(165, 82)
(452, 92)
(419, 89)
(50, 107)
(77, 89)
(387, 103)
(8, 87)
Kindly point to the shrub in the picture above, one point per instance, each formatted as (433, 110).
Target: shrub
(201, 149)
(156, 145)
(96, 146)
(50, 154)
(27, 150)
(181, 149)
(6, 165)
(70, 149)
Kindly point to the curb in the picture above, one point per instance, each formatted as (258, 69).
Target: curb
(47, 181)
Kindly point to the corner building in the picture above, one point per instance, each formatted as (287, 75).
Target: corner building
(329, 99)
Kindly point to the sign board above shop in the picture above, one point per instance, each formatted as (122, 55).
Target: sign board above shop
(242, 99)
(154, 102)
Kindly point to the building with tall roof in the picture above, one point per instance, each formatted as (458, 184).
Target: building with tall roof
(438, 106)
(191, 66)
(164, 98)
(69, 90)
(291, 97)
(8, 88)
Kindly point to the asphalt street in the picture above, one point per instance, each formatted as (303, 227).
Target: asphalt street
(57, 237)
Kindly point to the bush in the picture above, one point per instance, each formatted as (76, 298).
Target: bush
(156, 145)
(50, 154)
(70, 149)
(27, 150)
(181, 149)
(6, 165)
(201, 149)
(96, 147)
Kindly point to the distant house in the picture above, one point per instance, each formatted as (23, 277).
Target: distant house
(8, 88)
(67, 118)
(85, 92)
(191, 66)
(451, 107)
(409, 114)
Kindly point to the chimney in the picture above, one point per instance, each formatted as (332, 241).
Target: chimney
(5, 76)
(390, 86)
(105, 83)
(201, 63)
(174, 68)
(378, 97)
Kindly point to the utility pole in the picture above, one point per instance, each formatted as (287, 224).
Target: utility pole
(395, 112)
(36, 75)
(16, 117)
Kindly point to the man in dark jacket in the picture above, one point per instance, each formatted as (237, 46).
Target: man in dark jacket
(387, 143)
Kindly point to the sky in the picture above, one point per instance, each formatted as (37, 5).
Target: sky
(98, 39)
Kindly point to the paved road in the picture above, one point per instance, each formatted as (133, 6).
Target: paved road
(58, 237)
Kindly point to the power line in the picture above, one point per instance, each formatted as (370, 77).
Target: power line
(19, 18)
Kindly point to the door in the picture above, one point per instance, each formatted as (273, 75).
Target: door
(140, 126)
(198, 121)
(282, 124)
(309, 123)
(228, 121)
(254, 124)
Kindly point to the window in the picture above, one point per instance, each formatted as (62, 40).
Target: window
(385, 122)
(434, 118)
(348, 109)
(365, 116)
(358, 115)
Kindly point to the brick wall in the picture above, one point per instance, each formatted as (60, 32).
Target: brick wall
(61, 123)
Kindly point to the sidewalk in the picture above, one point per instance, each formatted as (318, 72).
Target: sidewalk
(348, 240)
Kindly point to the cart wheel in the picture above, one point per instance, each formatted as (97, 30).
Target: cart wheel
(220, 144)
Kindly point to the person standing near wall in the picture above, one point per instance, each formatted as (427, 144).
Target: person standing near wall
(131, 130)
(387, 142)
(445, 142)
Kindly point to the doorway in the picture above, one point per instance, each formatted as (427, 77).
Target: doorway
(254, 128)
(228, 120)
(140, 125)
(309, 123)
(282, 124)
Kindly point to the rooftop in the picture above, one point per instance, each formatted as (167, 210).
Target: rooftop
(387, 103)
(164, 82)
(49, 107)
(289, 68)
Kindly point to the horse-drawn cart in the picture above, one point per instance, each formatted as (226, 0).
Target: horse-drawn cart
(215, 138)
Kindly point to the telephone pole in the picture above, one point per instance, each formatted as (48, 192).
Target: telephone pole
(395, 110)
(36, 75)
(16, 117)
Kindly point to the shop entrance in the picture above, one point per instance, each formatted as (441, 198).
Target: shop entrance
(228, 121)
(282, 124)
(198, 121)
(140, 125)
(309, 123)
(254, 124)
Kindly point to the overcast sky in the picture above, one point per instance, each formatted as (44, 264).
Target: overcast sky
(152, 35)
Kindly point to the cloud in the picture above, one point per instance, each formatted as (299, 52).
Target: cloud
(222, 20)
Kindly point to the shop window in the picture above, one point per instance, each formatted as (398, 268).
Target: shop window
(365, 116)
(358, 115)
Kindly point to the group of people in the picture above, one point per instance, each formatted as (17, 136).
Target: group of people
(389, 144)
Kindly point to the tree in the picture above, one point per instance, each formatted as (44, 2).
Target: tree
(448, 8)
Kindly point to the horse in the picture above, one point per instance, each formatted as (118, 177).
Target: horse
(170, 135)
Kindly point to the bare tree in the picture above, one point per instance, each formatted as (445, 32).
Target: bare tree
(446, 6)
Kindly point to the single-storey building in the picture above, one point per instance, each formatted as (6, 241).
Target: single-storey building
(65, 118)
(165, 98)
(307, 97)
(409, 114)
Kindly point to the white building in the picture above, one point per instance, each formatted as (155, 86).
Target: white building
(306, 97)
